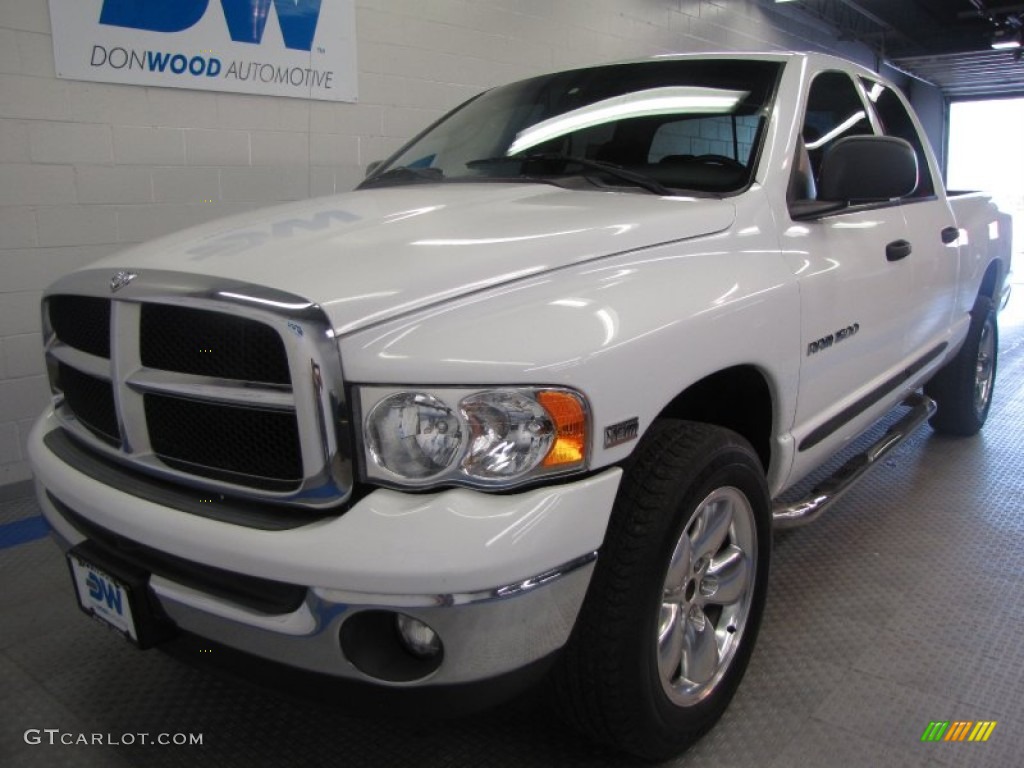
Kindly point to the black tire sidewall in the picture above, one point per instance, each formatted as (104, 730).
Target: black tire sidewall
(731, 464)
(953, 388)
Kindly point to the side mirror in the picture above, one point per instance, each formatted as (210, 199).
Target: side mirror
(371, 167)
(861, 169)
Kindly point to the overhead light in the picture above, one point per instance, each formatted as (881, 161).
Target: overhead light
(1005, 39)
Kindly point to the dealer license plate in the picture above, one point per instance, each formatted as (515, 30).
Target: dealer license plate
(103, 596)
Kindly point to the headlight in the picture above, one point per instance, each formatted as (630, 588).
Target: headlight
(413, 435)
(509, 434)
(489, 438)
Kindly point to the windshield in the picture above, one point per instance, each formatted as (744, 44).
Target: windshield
(693, 125)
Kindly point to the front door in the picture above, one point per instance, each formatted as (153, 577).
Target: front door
(854, 286)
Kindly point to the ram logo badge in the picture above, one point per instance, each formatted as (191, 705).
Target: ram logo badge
(120, 280)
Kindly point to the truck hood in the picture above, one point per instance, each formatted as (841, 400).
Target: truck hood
(370, 255)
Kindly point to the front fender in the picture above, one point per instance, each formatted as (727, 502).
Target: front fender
(630, 331)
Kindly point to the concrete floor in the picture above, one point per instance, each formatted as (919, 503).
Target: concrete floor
(904, 605)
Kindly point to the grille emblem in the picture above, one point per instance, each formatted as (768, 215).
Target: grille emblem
(120, 280)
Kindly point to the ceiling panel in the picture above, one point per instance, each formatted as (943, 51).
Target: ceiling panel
(945, 42)
(991, 74)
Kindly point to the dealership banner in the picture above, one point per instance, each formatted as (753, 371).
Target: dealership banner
(299, 48)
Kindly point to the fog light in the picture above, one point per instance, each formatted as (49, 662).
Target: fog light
(386, 645)
(419, 639)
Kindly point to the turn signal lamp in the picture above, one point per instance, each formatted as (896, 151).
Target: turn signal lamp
(566, 410)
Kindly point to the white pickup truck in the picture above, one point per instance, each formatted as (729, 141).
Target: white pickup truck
(523, 404)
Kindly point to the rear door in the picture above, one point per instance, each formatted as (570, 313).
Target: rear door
(932, 234)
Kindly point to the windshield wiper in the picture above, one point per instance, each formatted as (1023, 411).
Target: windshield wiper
(646, 182)
(402, 174)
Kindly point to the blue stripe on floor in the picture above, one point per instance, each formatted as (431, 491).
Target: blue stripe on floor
(23, 531)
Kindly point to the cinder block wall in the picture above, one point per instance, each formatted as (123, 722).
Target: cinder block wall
(88, 168)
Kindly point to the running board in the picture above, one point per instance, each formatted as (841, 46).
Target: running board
(829, 491)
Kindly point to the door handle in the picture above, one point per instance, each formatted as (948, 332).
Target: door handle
(897, 249)
(950, 235)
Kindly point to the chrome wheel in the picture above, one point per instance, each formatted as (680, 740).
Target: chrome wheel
(673, 608)
(985, 369)
(706, 596)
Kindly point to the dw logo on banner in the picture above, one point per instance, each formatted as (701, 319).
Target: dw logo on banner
(246, 18)
(307, 50)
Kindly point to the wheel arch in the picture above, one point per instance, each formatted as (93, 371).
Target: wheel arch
(737, 398)
(992, 282)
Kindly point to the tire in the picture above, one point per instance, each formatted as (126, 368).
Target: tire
(963, 388)
(653, 659)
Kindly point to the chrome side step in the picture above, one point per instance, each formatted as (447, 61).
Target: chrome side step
(829, 491)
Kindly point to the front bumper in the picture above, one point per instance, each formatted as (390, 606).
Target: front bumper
(499, 578)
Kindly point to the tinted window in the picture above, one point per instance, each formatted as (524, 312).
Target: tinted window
(896, 121)
(732, 137)
(834, 111)
(689, 124)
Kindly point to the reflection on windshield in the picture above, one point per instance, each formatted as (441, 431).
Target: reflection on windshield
(675, 124)
(654, 101)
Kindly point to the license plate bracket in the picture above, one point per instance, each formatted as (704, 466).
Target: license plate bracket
(116, 594)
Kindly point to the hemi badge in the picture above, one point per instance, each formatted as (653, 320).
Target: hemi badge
(620, 433)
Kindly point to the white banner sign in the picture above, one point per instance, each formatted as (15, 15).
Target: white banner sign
(300, 48)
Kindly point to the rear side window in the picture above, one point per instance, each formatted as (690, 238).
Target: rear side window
(896, 121)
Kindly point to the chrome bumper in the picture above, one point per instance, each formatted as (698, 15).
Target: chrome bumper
(483, 634)
(499, 578)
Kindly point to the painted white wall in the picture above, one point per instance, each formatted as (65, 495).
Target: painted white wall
(87, 168)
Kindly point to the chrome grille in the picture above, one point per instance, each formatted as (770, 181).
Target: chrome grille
(207, 343)
(91, 400)
(223, 386)
(82, 322)
(250, 446)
